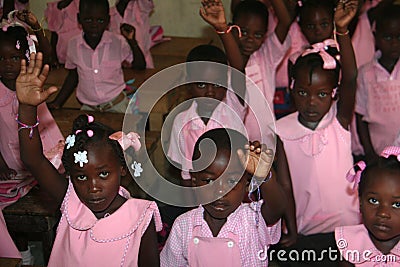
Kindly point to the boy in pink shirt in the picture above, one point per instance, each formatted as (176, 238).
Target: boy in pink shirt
(135, 13)
(377, 105)
(252, 51)
(94, 61)
(225, 110)
(227, 232)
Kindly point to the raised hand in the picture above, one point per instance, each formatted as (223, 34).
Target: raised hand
(128, 31)
(345, 12)
(256, 159)
(29, 18)
(213, 13)
(30, 81)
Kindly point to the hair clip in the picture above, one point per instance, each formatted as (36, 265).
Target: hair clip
(321, 49)
(18, 45)
(334, 91)
(81, 158)
(90, 118)
(391, 151)
(300, 3)
(127, 140)
(89, 133)
(137, 167)
(70, 141)
(354, 176)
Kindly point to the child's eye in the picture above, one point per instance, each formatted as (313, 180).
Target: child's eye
(322, 94)
(302, 93)
(373, 201)
(100, 21)
(201, 85)
(258, 35)
(216, 85)
(88, 20)
(387, 38)
(232, 181)
(244, 32)
(104, 174)
(16, 58)
(324, 25)
(81, 177)
(310, 26)
(396, 205)
(208, 180)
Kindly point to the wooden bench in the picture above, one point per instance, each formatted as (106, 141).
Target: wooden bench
(10, 262)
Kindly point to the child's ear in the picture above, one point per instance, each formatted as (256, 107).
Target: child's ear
(193, 177)
(124, 171)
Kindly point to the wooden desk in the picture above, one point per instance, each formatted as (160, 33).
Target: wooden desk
(10, 262)
(36, 212)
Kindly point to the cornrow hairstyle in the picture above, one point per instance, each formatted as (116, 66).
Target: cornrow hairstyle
(251, 7)
(313, 61)
(87, 4)
(207, 53)
(14, 35)
(388, 13)
(391, 164)
(101, 135)
(306, 5)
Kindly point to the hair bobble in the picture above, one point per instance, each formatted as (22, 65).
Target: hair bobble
(89, 133)
(391, 151)
(355, 176)
(321, 49)
(90, 118)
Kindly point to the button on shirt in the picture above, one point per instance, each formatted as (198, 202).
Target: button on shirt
(100, 73)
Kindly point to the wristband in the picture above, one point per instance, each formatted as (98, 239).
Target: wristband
(230, 29)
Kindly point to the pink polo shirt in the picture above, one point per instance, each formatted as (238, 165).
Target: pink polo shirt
(136, 14)
(318, 163)
(378, 101)
(84, 240)
(100, 72)
(65, 23)
(261, 68)
(9, 144)
(188, 127)
(241, 223)
(356, 247)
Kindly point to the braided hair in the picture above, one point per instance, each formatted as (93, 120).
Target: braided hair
(101, 134)
(15, 35)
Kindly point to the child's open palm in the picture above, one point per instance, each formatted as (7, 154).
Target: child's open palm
(213, 13)
(256, 159)
(345, 12)
(30, 81)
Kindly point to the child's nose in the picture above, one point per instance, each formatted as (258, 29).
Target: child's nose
(312, 100)
(383, 211)
(94, 186)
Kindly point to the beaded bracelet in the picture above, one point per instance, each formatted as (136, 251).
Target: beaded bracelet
(26, 126)
(230, 29)
(342, 34)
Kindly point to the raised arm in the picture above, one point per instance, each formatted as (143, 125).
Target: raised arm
(44, 45)
(30, 94)
(129, 32)
(284, 19)
(345, 11)
(259, 161)
(214, 14)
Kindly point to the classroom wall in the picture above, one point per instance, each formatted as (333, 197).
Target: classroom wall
(177, 17)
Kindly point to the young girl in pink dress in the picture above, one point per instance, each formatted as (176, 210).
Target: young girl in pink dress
(135, 13)
(378, 95)
(313, 151)
(227, 232)
(101, 225)
(252, 51)
(376, 241)
(62, 21)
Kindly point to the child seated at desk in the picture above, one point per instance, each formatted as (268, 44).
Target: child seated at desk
(94, 60)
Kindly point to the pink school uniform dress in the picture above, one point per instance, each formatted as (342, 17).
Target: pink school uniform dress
(261, 69)
(240, 241)
(360, 250)
(9, 145)
(188, 127)
(318, 162)
(378, 101)
(7, 246)
(65, 23)
(100, 72)
(136, 14)
(84, 240)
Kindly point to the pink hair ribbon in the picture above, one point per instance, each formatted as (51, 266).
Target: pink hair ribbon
(391, 151)
(355, 176)
(127, 140)
(321, 49)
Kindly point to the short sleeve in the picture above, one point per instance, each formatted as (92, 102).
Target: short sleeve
(173, 253)
(70, 62)
(273, 51)
(361, 95)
